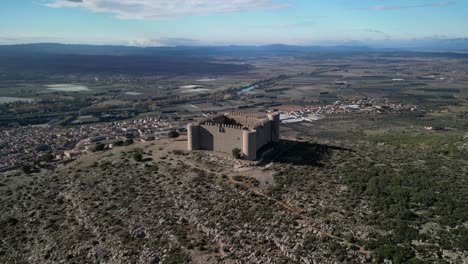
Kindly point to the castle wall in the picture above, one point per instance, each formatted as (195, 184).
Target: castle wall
(263, 135)
(220, 138)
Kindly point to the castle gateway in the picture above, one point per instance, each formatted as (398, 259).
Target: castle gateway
(247, 132)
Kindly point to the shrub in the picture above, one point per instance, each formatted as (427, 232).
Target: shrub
(47, 157)
(138, 156)
(395, 253)
(119, 143)
(128, 142)
(26, 168)
(236, 153)
(238, 178)
(173, 134)
(42, 148)
(178, 152)
(98, 147)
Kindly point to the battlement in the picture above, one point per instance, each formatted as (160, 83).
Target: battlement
(235, 119)
(244, 114)
(207, 123)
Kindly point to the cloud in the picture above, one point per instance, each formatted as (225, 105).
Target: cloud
(377, 32)
(164, 42)
(286, 25)
(163, 9)
(396, 7)
(371, 30)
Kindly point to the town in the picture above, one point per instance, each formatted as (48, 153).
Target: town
(55, 145)
(313, 113)
(46, 143)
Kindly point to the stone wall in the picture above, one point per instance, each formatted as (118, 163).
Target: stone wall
(263, 134)
(275, 126)
(222, 138)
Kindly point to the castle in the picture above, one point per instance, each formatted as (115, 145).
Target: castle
(246, 132)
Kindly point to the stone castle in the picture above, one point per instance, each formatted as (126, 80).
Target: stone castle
(246, 132)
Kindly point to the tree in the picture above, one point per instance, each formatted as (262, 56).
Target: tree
(128, 142)
(27, 168)
(119, 143)
(42, 148)
(173, 134)
(138, 156)
(236, 153)
(47, 157)
(98, 147)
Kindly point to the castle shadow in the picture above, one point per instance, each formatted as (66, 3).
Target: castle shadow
(297, 153)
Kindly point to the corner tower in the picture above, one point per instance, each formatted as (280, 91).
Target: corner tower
(249, 144)
(275, 126)
(193, 136)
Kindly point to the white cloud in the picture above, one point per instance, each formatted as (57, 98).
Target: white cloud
(286, 25)
(164, 42)
(163, 9)
(394, 7)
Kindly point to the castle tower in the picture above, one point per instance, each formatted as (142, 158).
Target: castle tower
(193, 134)
(275, 126)
(249, 144)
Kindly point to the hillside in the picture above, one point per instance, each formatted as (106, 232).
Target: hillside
(342, 190)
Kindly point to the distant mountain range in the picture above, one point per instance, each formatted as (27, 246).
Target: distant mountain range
(430, 44)
(53, 58)
(424, 44)
(55, 48)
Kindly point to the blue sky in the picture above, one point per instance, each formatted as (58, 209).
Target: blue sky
(222, 22)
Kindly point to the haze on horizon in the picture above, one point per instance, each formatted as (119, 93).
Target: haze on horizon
(238, 22)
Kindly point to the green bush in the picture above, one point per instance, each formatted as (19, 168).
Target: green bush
(119, 143)
(394, 253)
(173, 134)
(98, 147)
(128, 142)
(178, 152)
(236, 153)
(138, 156)
(26, 168)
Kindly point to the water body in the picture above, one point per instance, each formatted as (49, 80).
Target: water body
(4, 100)
(197, 90)
(207, 80)
(67, 87)
(133, 93)
(191, 86)
(248, 89)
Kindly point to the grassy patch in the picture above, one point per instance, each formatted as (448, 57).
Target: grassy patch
(446, 143)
